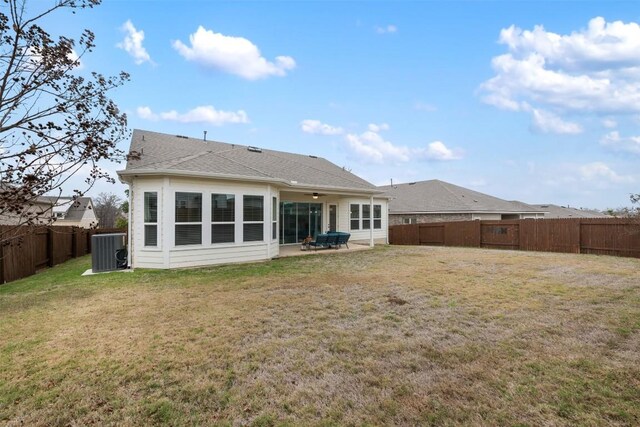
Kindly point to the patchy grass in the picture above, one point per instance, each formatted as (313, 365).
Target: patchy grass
(396, 335)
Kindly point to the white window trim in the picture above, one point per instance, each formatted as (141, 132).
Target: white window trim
(370, 219)
(144, 223)
(274, 219)
(373, 214)
(253, 222)
(235, 209)
(359, 219)
(176, 223)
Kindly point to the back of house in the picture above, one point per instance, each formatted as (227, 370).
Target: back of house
(195, 202)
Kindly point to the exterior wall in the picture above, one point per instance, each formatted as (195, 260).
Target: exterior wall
(487, 216)
(380, 236)
(398, 219)
(42, 210)
(167, 254)
(532, 216)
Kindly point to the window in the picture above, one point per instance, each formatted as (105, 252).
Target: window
(366, 217)
(274, 219)
(223, 217)
(407, 221)
(377, 217)
(253, 218)
(355, 217)
(188, 219)
(151, 219)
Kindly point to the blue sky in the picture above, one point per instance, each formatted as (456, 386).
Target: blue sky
(532, 101)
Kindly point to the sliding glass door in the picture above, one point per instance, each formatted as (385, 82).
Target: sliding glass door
(299, 220)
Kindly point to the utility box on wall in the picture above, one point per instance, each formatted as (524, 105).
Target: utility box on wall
(108, 252)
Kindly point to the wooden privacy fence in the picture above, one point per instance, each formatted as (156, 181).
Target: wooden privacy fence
(603, 236)
(25, 250)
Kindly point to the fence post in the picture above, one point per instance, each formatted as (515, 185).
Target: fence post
(50, 247)
(2, 257)
(74, 242)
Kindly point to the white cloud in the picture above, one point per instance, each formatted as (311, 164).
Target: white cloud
(234, 55)
(600, 171)
(594, 70)
(387, 29)
(202, 114)
(146, 113)
(318, 128)
(609, 123)
(73, 56)
(132, 43)
(370, 146)
(547, 122)
(615, 142)
(377, 127)
(438, 151)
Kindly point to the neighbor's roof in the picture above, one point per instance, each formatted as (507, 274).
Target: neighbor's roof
(169, 154)
(73, 210)
(555, 211)
(435, 196)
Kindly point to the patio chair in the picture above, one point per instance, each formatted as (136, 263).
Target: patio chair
(322, 241)
(334, 236)
(343, 239)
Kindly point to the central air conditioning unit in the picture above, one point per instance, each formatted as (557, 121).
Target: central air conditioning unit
(108, 252)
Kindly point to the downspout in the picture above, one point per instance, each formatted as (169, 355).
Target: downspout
(371, 222)
(129, 228)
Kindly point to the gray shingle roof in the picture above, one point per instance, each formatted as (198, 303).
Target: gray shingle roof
(555, 211)
(74, 210)
(439, 196)
(175, 154)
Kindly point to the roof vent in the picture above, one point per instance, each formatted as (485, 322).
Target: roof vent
(412, 183)
(313, 157)
(182, 136)
(254, 149)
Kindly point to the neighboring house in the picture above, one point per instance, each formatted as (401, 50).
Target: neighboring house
(439, 201)
(194, 202)
(39, 210)
(555, 211)
(78, 213)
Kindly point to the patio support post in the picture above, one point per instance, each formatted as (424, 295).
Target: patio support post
(371, 221)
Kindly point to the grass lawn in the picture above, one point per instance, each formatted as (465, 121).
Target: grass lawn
(395, 335)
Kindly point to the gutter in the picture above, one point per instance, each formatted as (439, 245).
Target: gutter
(124, 174)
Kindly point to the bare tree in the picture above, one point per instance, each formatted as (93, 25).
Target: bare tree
(108, 208)
(54, 119)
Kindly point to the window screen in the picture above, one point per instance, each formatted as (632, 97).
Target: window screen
(355, 217)
(366, 217)
(377, 217)
(150, 219)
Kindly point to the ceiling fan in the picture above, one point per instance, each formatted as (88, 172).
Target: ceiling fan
(315, 195)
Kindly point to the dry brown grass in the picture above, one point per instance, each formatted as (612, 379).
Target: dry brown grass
(397, 335)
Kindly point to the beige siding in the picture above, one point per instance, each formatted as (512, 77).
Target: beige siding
(363, 236)
(167, 255)
(487, 216)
